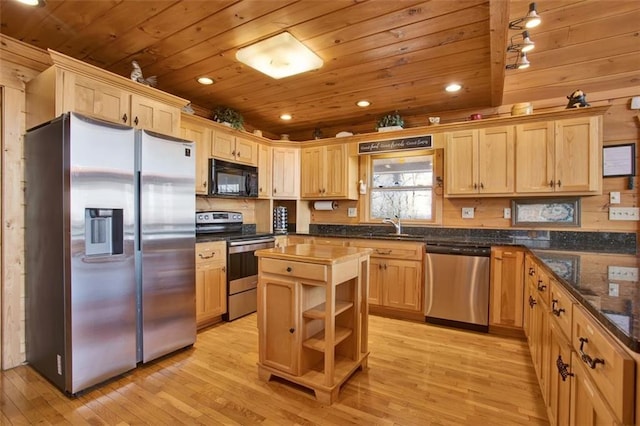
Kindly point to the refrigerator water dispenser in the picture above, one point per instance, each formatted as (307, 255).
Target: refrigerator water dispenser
(103, 232)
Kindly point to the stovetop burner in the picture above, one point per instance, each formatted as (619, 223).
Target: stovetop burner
(227, 225)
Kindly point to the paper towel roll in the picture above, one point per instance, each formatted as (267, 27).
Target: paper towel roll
(325, 205)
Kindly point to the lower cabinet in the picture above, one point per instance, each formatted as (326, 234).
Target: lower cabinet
(211, 282)
(506, 303)
(588, 407)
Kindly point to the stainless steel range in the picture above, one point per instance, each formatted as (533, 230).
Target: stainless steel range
(242, 265)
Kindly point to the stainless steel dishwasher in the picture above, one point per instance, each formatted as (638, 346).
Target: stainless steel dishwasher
(457, 286)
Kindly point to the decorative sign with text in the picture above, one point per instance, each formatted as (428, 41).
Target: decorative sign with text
(420, 142)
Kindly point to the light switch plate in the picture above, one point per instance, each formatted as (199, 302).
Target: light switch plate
(635, 102)
(622, 273)
(614, 289)
(624, 213)
(352, 212)
(614, 197)
(467, 212)
(506, 213)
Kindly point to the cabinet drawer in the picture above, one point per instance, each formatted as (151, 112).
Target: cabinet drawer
(606, 363)
(212, 252)
(309, 271)
(391, 249)
(330, 241)
(542, 285)
(561, 307)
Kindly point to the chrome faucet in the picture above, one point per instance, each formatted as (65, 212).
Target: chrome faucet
(396, 224)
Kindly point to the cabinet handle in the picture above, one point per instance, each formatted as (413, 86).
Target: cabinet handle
(550, 184)
(260, 189)
(125, 118)
(380, 266)
(383, 251)
(275, 190)
(233, 153)
(205, 183)
(385, 266)
(591, 362)
(541, 287)
(238, 154)
(562, 369)
(555, 311)
(224, 269)
(289, 269)
(532, 302)
(559, 183)
(206, 257)
(292, 330)
(475, 186)
(481, 185)
(135, 121)
(532, 271)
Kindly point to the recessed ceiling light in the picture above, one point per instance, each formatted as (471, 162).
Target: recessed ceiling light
(285, 117)
(205, 80)
(363, 103)
(453, 87)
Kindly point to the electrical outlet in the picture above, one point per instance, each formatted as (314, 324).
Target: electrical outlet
(467, 212)
(614, 197)
(622, 273)
(352, 212)
(614, 289)
(624, 213)
(506, 213)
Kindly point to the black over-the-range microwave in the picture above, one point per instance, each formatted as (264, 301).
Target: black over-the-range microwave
(232, 180)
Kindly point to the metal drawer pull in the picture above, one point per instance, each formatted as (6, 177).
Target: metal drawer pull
(541, 287)
(532, 301)
(562, 369)
(591, 362)
(206, 257)
(383, 251)
(555, 311)
(532, 271)
(292, 330)
(289, 269)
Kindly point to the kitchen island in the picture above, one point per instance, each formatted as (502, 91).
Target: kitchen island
(313, 315)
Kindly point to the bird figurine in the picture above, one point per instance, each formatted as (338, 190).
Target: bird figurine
(577, 99)
(136, 75)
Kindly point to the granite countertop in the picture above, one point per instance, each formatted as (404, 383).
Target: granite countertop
(588, 277)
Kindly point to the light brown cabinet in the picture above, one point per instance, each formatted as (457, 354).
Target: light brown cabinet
(211, 282)
(506, 304)
(286, 173)
(265, 171)
(557, 157)
(480, 162)
(195, 129)
(72, 85)
(234, 148)
(328, 172)
(312, 315)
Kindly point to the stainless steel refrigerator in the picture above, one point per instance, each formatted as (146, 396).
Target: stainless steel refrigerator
(110, 239)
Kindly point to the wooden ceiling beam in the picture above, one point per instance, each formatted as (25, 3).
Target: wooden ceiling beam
(498, 34)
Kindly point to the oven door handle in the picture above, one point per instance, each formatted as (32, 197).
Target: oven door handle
(248, 242)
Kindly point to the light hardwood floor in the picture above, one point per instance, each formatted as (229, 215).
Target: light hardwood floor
(418, 375)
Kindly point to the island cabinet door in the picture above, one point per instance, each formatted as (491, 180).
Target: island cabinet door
(278, 323)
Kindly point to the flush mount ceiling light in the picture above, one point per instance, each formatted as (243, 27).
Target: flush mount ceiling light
(286, 117)
(526, 46)
(279, 56)
(521, 62)
(39, 3)
(363, 103)
(532, 19)
(453, 87)
(205, 80)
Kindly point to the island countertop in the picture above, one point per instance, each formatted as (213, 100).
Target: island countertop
(314, 253)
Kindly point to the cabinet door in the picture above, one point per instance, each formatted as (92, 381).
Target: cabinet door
(577, 155)
(265, 174)
(286, 173)
(201, 136)
(376, 277)
(278, 324)
(401, 284)
(246, 151)
(496, 160)
(153, 115)
(535, 157)
(507, 287)
(335, 171)
(542, 346)
(224, 146)
(461, 162)
(312, 179)
(99, 100)
(211, 294)
(588, 407)
(559, 377)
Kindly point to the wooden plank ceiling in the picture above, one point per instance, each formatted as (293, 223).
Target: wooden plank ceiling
(398, 54)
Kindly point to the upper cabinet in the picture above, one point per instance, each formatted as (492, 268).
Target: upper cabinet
(562, 156)
(235, 148)
(286, 173)
(72, 85)
(480, 161)
(195, 129)
(265, 177)
(328, 172)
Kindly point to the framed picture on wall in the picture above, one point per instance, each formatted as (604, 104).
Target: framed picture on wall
(619, 160)
(546, 212)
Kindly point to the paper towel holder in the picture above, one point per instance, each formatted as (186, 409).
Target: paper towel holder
(326, 205)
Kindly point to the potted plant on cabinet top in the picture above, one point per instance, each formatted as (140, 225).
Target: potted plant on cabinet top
(391, 121)
(223, 114)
